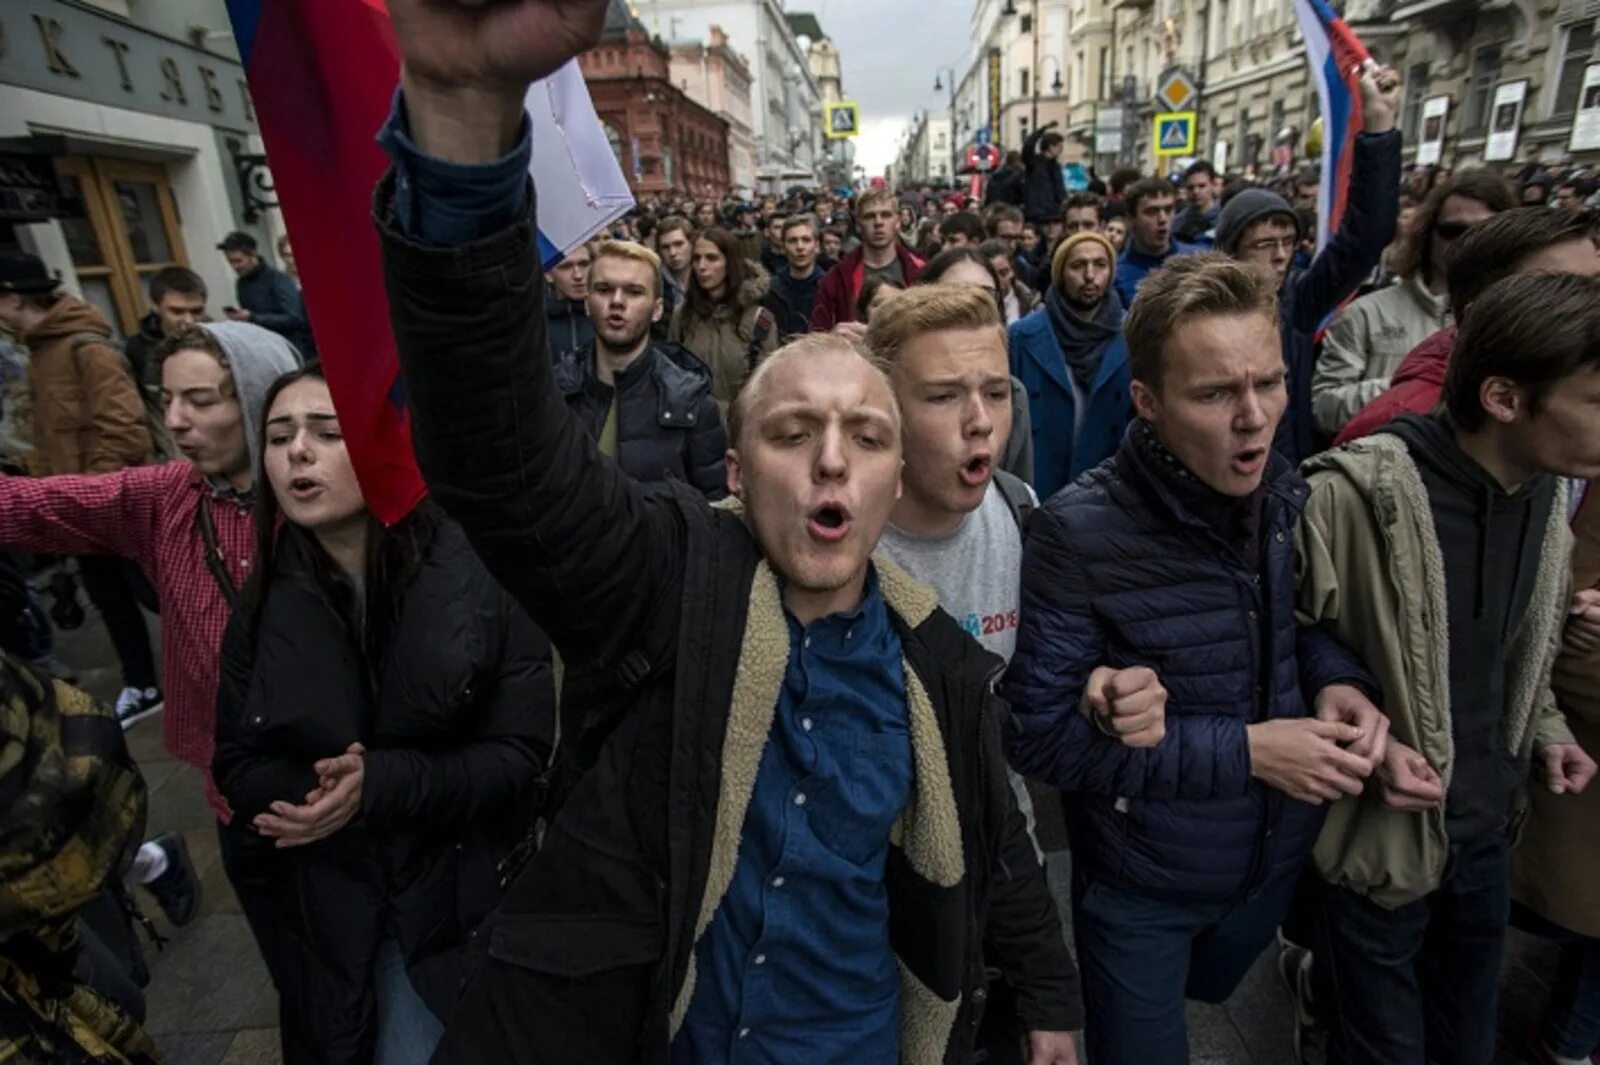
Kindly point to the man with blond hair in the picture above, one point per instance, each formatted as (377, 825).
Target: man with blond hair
(1162, 681)
(791, 839)
(653, 413)
(880, 254)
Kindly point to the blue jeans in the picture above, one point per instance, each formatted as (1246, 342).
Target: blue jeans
(1142, 956)
(408, 1032)
(1420, 985)
(1571, 1024)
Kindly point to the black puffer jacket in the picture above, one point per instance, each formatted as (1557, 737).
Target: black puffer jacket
(668, 425)
(568, 321)
(457, 738)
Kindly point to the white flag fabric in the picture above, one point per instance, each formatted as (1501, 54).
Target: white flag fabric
(575, 173)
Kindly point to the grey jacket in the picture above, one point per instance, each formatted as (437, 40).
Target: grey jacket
(1366, 344)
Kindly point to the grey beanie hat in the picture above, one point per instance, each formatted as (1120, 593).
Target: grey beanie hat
(256, 358)
(1247, 208)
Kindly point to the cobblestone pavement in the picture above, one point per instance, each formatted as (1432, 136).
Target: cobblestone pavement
(211, 1003)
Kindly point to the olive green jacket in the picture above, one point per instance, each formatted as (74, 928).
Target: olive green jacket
(1370, 567)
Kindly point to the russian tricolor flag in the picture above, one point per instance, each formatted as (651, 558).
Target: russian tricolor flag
(322, 77)
(1337, 57)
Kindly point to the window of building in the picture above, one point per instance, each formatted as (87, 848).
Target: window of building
(1220, 29)
(1080, 83)
(1411, 106)
(1578, 54)
(1480, 89)
(1105, 73)
(128, 231)
(1027, 24)
(1024, 80)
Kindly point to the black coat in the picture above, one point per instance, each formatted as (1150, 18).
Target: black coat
(458, 735)
(569, 326)
(274, 302)
(1007, 186)
(656, 603)
(668, 425)
(1045, 193)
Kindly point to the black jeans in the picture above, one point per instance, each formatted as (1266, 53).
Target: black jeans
(1571, 1024)
(1420, 985)
(118, 588)
(24, 628)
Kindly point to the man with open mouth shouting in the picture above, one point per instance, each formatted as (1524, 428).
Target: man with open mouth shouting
(1161, 679)
(791, 837)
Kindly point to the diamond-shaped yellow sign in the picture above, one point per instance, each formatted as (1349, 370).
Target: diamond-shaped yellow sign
(1176, 91)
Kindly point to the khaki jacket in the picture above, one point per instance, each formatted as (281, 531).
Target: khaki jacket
(88, 416)
(1556, 868)
(1366, 344)
(1370, 568)
(723, 341)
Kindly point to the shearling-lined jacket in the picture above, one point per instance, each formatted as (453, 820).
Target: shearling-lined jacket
(1370, 569)
(670, 625)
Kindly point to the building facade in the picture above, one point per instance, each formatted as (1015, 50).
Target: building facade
(925, 156)
(664, 140)
(717, 77)
(139, 115)
(1257, 101)
(1016, 76)
(787, 104)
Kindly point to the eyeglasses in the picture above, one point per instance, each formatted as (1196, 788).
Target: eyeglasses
(1451, 230)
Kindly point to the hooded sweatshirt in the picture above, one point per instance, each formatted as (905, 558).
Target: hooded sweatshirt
(1490, 540)
(256, 358)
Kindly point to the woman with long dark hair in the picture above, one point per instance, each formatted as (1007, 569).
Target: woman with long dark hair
(386, 716)
(726, 319)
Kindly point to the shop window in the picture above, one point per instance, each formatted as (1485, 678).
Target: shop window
(129, 230)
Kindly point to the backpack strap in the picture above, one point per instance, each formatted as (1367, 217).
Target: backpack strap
(214, 557)
(763, 329)
(1019, 498)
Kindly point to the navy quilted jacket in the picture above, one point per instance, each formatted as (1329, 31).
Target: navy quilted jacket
(1116, 572)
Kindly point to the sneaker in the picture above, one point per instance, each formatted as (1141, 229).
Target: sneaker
(136, 704)
(1310, 1030)
(177, 889)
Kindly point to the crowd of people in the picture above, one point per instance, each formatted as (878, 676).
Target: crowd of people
(789, 569)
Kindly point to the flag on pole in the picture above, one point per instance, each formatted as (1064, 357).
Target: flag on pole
(322, 76)
(1337, 57)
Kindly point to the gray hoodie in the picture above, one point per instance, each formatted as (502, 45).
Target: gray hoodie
(256, 358)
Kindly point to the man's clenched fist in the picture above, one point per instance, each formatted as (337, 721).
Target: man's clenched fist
(1129, 705)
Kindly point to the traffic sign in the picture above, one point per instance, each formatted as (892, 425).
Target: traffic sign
(843, 120)
(983, 157)
(1176, 90)
(1175, 133)
(981, 136)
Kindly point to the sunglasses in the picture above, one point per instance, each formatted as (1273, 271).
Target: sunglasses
(1451, 230)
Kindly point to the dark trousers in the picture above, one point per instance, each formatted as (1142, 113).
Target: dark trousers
(1142, 957)
(1420, 985)
(1571, 1024)
(249, 861)
(24, 628)
(117, 589)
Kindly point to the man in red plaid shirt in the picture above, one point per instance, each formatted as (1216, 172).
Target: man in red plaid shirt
(187, 524)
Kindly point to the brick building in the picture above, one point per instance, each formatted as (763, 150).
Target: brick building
(665, 141)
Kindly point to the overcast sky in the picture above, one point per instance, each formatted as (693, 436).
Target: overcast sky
(890, 51)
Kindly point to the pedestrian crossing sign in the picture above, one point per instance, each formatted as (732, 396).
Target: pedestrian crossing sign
(843, 120)
(1174, 134)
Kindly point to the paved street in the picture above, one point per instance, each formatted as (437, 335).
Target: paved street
(210, 1002)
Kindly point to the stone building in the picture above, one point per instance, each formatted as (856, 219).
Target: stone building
(717, 77)
(925, 152)
(664, 140)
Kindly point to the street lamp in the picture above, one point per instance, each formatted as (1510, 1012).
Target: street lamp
(938, 86)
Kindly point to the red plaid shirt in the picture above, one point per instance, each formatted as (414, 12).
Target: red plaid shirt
(149, 514)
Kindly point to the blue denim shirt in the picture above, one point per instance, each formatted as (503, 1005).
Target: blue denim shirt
(796, 965)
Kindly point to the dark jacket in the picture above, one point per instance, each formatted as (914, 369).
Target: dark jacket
(799, 296)
(1007, 186)
(458, 724)
(668, 425)
(670, 625)
(1044, 347)
(1310, 296)
(1119, 571)
(836, 296)
(274, 302)
(1194, 226)
(1133, 266)
(1045, 193)
(140, 350)
(567, 321)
